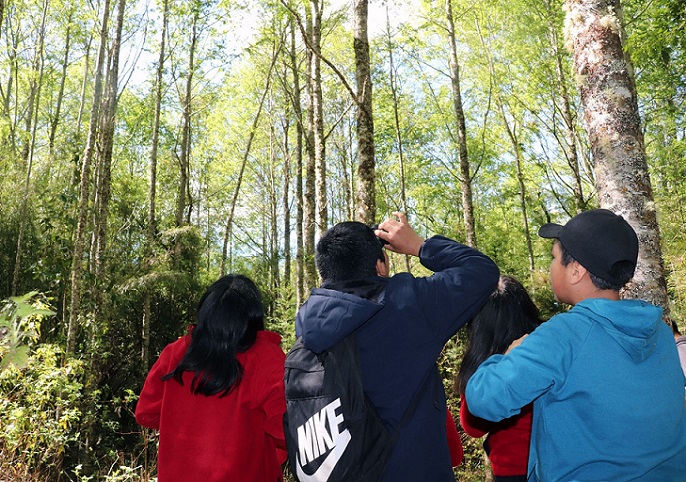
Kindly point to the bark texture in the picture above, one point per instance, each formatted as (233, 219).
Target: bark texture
(297, 112)
(366, 193)
(318, 117)
(151, 228)
(462, 152)
(608, 93)
(311, 279)
(86, 165)
(184, 155)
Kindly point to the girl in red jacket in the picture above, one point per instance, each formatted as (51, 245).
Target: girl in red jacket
(217, 394)
(508, 314)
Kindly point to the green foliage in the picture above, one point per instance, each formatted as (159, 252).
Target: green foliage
(658, 50)
(39, 413)
(283, 318)
(20, 319)
(234, 51)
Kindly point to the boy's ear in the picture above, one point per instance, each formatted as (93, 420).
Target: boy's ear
(575, 272)
(382, 268)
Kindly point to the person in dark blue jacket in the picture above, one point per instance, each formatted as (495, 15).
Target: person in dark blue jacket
(401, 325)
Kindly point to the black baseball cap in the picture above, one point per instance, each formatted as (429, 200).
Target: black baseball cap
(597, 239)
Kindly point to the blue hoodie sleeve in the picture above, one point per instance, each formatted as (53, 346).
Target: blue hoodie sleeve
(503, 384)
(463, 280)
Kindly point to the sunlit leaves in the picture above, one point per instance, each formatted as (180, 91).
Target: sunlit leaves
(20, 325)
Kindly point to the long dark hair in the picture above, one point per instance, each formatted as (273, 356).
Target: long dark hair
(509, 314)
(230, 314)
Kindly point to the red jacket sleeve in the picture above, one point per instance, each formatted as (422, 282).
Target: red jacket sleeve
(474, 426)
(150, 401)
(274, 406)
(454, 440)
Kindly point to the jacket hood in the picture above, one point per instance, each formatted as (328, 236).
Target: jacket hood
(633, 324)
(334, 311)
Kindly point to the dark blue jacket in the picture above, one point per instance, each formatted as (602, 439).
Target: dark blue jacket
(401, 324)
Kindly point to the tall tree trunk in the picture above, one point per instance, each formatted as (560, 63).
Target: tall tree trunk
(80, 238)
(105, 142)
(310, 271)
(318, 117)
(186, 128)
(297, 111)
(32, 125)
(310, 165)
(570, 151)
(522, 191)
(103, 180)
(6, 92)
(84, 84)
(273, 216)
(2, 15)
(366, 190)
(108, 114)
(285, 200)
(511, 129)
(396, 119)
(34, 87)
(151, 228)
(246, 154)
(60, 93)
(348, 158)
(462, 153)
(516, 147)
(608, 93)
(12, 61)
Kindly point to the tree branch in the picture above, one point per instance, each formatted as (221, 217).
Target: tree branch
(318, 54)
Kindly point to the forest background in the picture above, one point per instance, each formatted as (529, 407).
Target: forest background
(148, 147)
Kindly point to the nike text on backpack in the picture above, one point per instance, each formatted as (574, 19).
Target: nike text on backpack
(333, 432)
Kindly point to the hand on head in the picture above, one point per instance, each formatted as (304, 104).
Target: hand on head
(399, 234)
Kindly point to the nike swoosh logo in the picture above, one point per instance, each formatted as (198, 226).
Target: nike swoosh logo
(324, 471)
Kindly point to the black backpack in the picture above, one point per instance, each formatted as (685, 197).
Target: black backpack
(333, 432)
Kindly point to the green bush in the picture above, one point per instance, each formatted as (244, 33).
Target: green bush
(20, 321)
(38, 413)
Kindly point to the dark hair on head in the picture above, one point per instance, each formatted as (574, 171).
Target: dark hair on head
(348, 251)
(508, 314)
(622, 270)
(230, 314)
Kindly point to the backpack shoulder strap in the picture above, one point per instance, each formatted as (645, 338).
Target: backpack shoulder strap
(409, 411)
(349, 344)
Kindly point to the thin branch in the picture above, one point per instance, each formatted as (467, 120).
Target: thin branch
(318, 54)
(246, 154)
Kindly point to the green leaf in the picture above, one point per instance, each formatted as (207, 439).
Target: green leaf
(17, 356)
(25, 310)
(24, 298)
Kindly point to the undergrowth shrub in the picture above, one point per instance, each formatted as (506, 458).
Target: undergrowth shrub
(38, 413)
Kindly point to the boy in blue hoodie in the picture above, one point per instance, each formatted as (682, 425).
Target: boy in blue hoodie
(604, 377)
